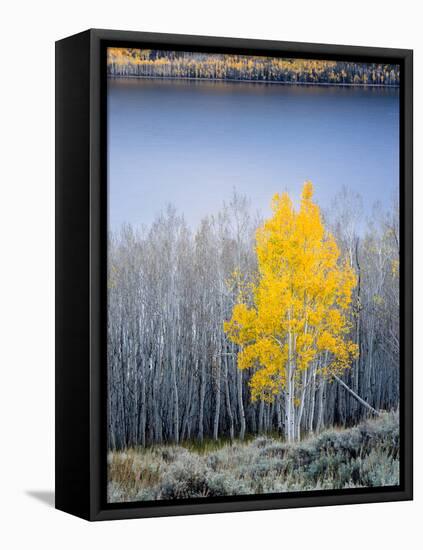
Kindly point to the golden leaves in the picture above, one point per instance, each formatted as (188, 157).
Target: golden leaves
(302, 295)
(241, 327)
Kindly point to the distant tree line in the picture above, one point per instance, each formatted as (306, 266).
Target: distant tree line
(172, 370)
(128, 62)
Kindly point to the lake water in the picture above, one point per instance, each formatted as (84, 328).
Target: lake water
(190, 143)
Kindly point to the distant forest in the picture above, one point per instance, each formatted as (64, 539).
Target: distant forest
(129, 62)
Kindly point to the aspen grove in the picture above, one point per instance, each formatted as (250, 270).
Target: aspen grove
(247, 326)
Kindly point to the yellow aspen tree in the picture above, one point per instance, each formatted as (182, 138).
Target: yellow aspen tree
(296, 320)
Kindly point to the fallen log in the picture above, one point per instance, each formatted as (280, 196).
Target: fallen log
(357, 397)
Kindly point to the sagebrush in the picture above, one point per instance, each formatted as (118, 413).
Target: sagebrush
(363, 456)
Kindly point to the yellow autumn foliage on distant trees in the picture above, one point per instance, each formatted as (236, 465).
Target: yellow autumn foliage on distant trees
(294, 322)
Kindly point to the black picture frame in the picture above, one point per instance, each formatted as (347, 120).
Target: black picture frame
(81, 293)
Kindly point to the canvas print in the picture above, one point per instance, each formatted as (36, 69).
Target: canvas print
(253, 275)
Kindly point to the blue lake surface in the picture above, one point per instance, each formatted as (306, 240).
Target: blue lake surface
(190, 143)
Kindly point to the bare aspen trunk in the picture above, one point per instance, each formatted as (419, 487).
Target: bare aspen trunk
(241, 405)
(261, 417)
(278, 413)
(292, 402)
(143, 411)
(287, 411)
(228, 400)
(201, 405)
(187, 419)
(320, 418)
(312, 400)
(175, 401)
(290, 395)
(217, 409)
(301, 407)
(358, 325)
(158, 429)
(290, 409)
(268, 416)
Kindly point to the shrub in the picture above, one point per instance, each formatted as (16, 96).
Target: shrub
(186, 478)
(170, 454)
(264, 467)
(262, 441)
(274, 449)
(224, 484)
(379, 470)
(115, 492)
(363, 456)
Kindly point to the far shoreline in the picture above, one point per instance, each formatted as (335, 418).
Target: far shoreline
(249, 81)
